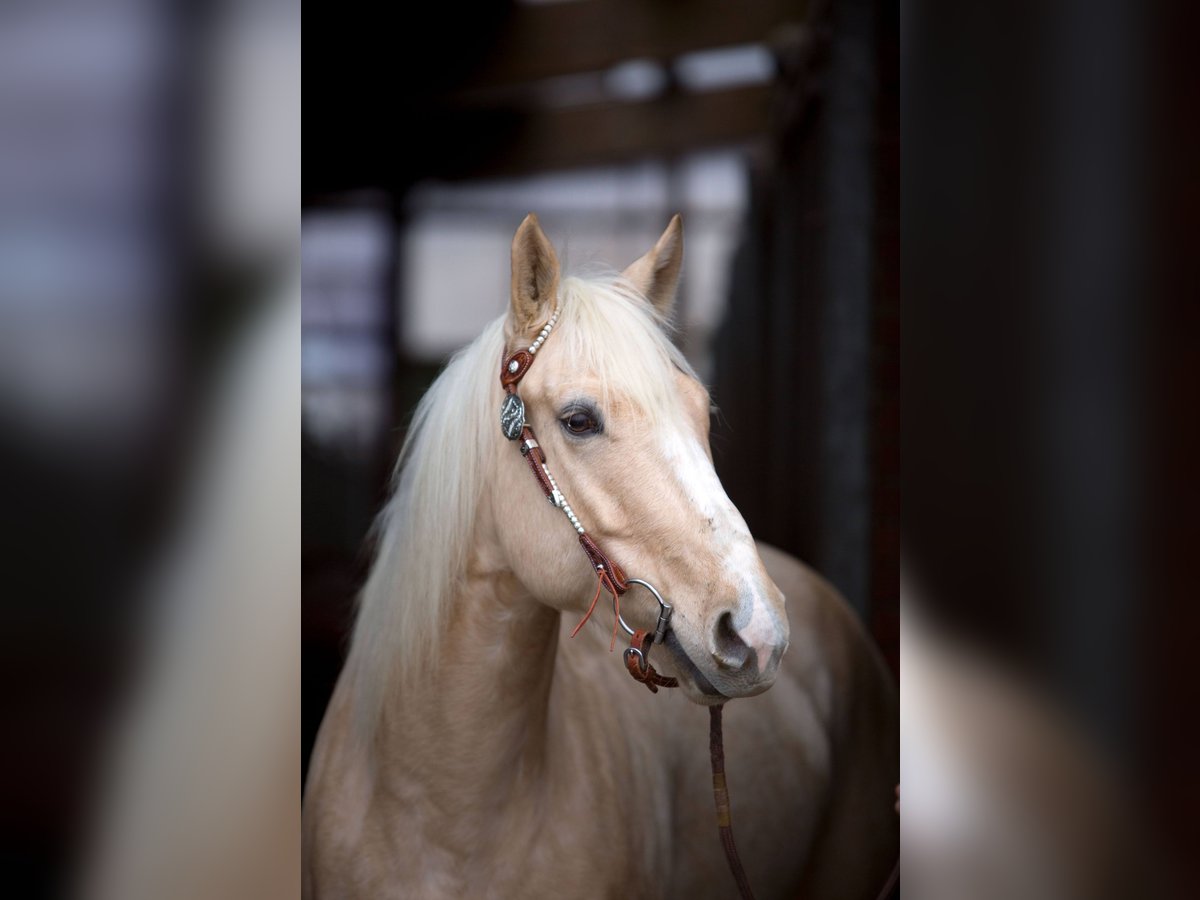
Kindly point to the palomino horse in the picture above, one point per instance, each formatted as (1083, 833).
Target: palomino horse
(472, 750)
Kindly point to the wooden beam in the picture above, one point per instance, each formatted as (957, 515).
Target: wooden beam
(541, 41)
(467, 141)
(618, 132)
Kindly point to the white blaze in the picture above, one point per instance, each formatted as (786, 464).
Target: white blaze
(757, 622)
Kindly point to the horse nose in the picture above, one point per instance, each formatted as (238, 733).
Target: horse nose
(728, 648)
(748, 638)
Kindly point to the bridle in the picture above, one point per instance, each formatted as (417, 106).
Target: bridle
(610, 577)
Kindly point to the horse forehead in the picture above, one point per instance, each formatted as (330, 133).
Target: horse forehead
(552, 377)
(617, 397)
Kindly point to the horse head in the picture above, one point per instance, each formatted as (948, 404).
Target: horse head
(623, 422)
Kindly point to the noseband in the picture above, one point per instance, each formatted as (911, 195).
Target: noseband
(612, 578)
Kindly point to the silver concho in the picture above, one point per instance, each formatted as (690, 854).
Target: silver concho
(512, 416)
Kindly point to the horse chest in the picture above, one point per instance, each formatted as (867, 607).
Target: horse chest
(532, 846)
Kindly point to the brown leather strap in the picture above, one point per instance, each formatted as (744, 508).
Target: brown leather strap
(600, 559)
(716, 749)
(509, 378)
(638, 664)
(613, 577)
(535, 457)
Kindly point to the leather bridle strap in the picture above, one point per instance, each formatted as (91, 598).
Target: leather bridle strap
(637, 663)
(512, 418)
(716, 749)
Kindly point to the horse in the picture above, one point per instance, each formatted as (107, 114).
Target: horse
(473, 747)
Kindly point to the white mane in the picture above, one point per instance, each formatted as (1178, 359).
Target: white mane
(425, 533)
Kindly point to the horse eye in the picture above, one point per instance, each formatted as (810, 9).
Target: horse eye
(580, 423)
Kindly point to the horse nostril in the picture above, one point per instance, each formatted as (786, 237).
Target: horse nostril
(729, 649)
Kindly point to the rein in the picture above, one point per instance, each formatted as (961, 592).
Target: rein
(610, 577)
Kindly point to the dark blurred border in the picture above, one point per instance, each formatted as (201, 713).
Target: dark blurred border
(1050, 205)
(149, 197)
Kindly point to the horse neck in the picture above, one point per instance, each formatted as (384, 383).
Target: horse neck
(475, 724)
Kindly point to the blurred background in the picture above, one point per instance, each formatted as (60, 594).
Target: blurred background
(151, 365)
(1050, 445)
(149, 415)
(770, 125)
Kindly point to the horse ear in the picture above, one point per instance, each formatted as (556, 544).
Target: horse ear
(656, 274)
(534, 277)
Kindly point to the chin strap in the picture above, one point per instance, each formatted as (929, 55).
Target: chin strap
(637, 663)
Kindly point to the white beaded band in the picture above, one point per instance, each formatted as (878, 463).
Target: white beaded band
(557, 498)
(544, 333)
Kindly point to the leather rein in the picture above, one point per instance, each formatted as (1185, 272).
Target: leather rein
(611, 577)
